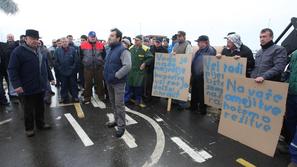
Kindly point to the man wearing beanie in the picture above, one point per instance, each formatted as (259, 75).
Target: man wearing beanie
(93, 53)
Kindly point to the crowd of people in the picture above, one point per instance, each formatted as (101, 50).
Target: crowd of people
(121, 70)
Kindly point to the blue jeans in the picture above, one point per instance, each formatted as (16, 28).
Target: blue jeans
(293, 149)
(68, 84)
(291, 123)
(131, 91)
(291, 114)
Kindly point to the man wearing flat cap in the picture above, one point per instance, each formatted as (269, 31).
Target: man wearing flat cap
(197, 96)
(28, 72)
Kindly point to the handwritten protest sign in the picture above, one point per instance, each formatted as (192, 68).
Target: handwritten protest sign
(252, 113)
(172, 76)
(214, 71)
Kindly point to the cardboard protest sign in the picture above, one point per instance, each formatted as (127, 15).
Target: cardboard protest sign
(252, 113)
(172, 76)
(214, 70)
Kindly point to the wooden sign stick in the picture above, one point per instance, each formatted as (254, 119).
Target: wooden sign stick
(169, 104)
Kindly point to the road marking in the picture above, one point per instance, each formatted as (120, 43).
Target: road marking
(61, 105)
(129, 120)
(5, 121)
(100, 103)
(204, 154)
(159, 148)
(158, 119)
(198, 156)
(244, 163)
(79, 110)
(95, 104)
(127, 137)
(80, 132)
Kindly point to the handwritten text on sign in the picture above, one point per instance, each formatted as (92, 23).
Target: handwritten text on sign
(214, 70)
(172, 76)
(252, 110)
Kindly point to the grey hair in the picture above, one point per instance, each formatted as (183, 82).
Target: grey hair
(8, 6)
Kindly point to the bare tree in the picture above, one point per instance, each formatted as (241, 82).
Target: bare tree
(8, 6)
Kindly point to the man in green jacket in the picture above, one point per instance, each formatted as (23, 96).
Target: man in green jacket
(291, 113)
(141, 57)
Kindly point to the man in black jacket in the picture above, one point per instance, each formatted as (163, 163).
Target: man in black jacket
(235, 48)
(28, 73)
(3, 99)
(156, 48)
(197, 80)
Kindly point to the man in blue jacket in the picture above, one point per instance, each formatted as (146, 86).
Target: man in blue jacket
(116, 69)
(67, 65)
(28, 73)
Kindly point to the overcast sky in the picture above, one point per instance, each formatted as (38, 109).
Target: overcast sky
(215, 18)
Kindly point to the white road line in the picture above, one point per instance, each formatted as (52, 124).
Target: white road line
(127, 137)
(160, 139)
(80, 132)
(204, 154)
(129, 120)
(5, 121)
(158, 119)
(62, 105)
(94, 102)
(100, 103)
(187, 149)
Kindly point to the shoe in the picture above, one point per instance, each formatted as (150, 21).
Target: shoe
(283, 148)
(44, 127)
(111, 124)
(192, 109)
(30, 133)
(120, 132)
(202, 111)
(4, 103)
(64, 101)
(75, 100)
(86, 101)
(179, 108)
(132, 101)
(142, 105)
(13, 99)
(292, 164)
(47, 102)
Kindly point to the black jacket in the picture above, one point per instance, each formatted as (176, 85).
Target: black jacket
(155, 50)
(244, 52)
(3, 53)
(28, 70)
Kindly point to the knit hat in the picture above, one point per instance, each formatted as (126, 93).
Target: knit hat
(126, 41)
(235, 39)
